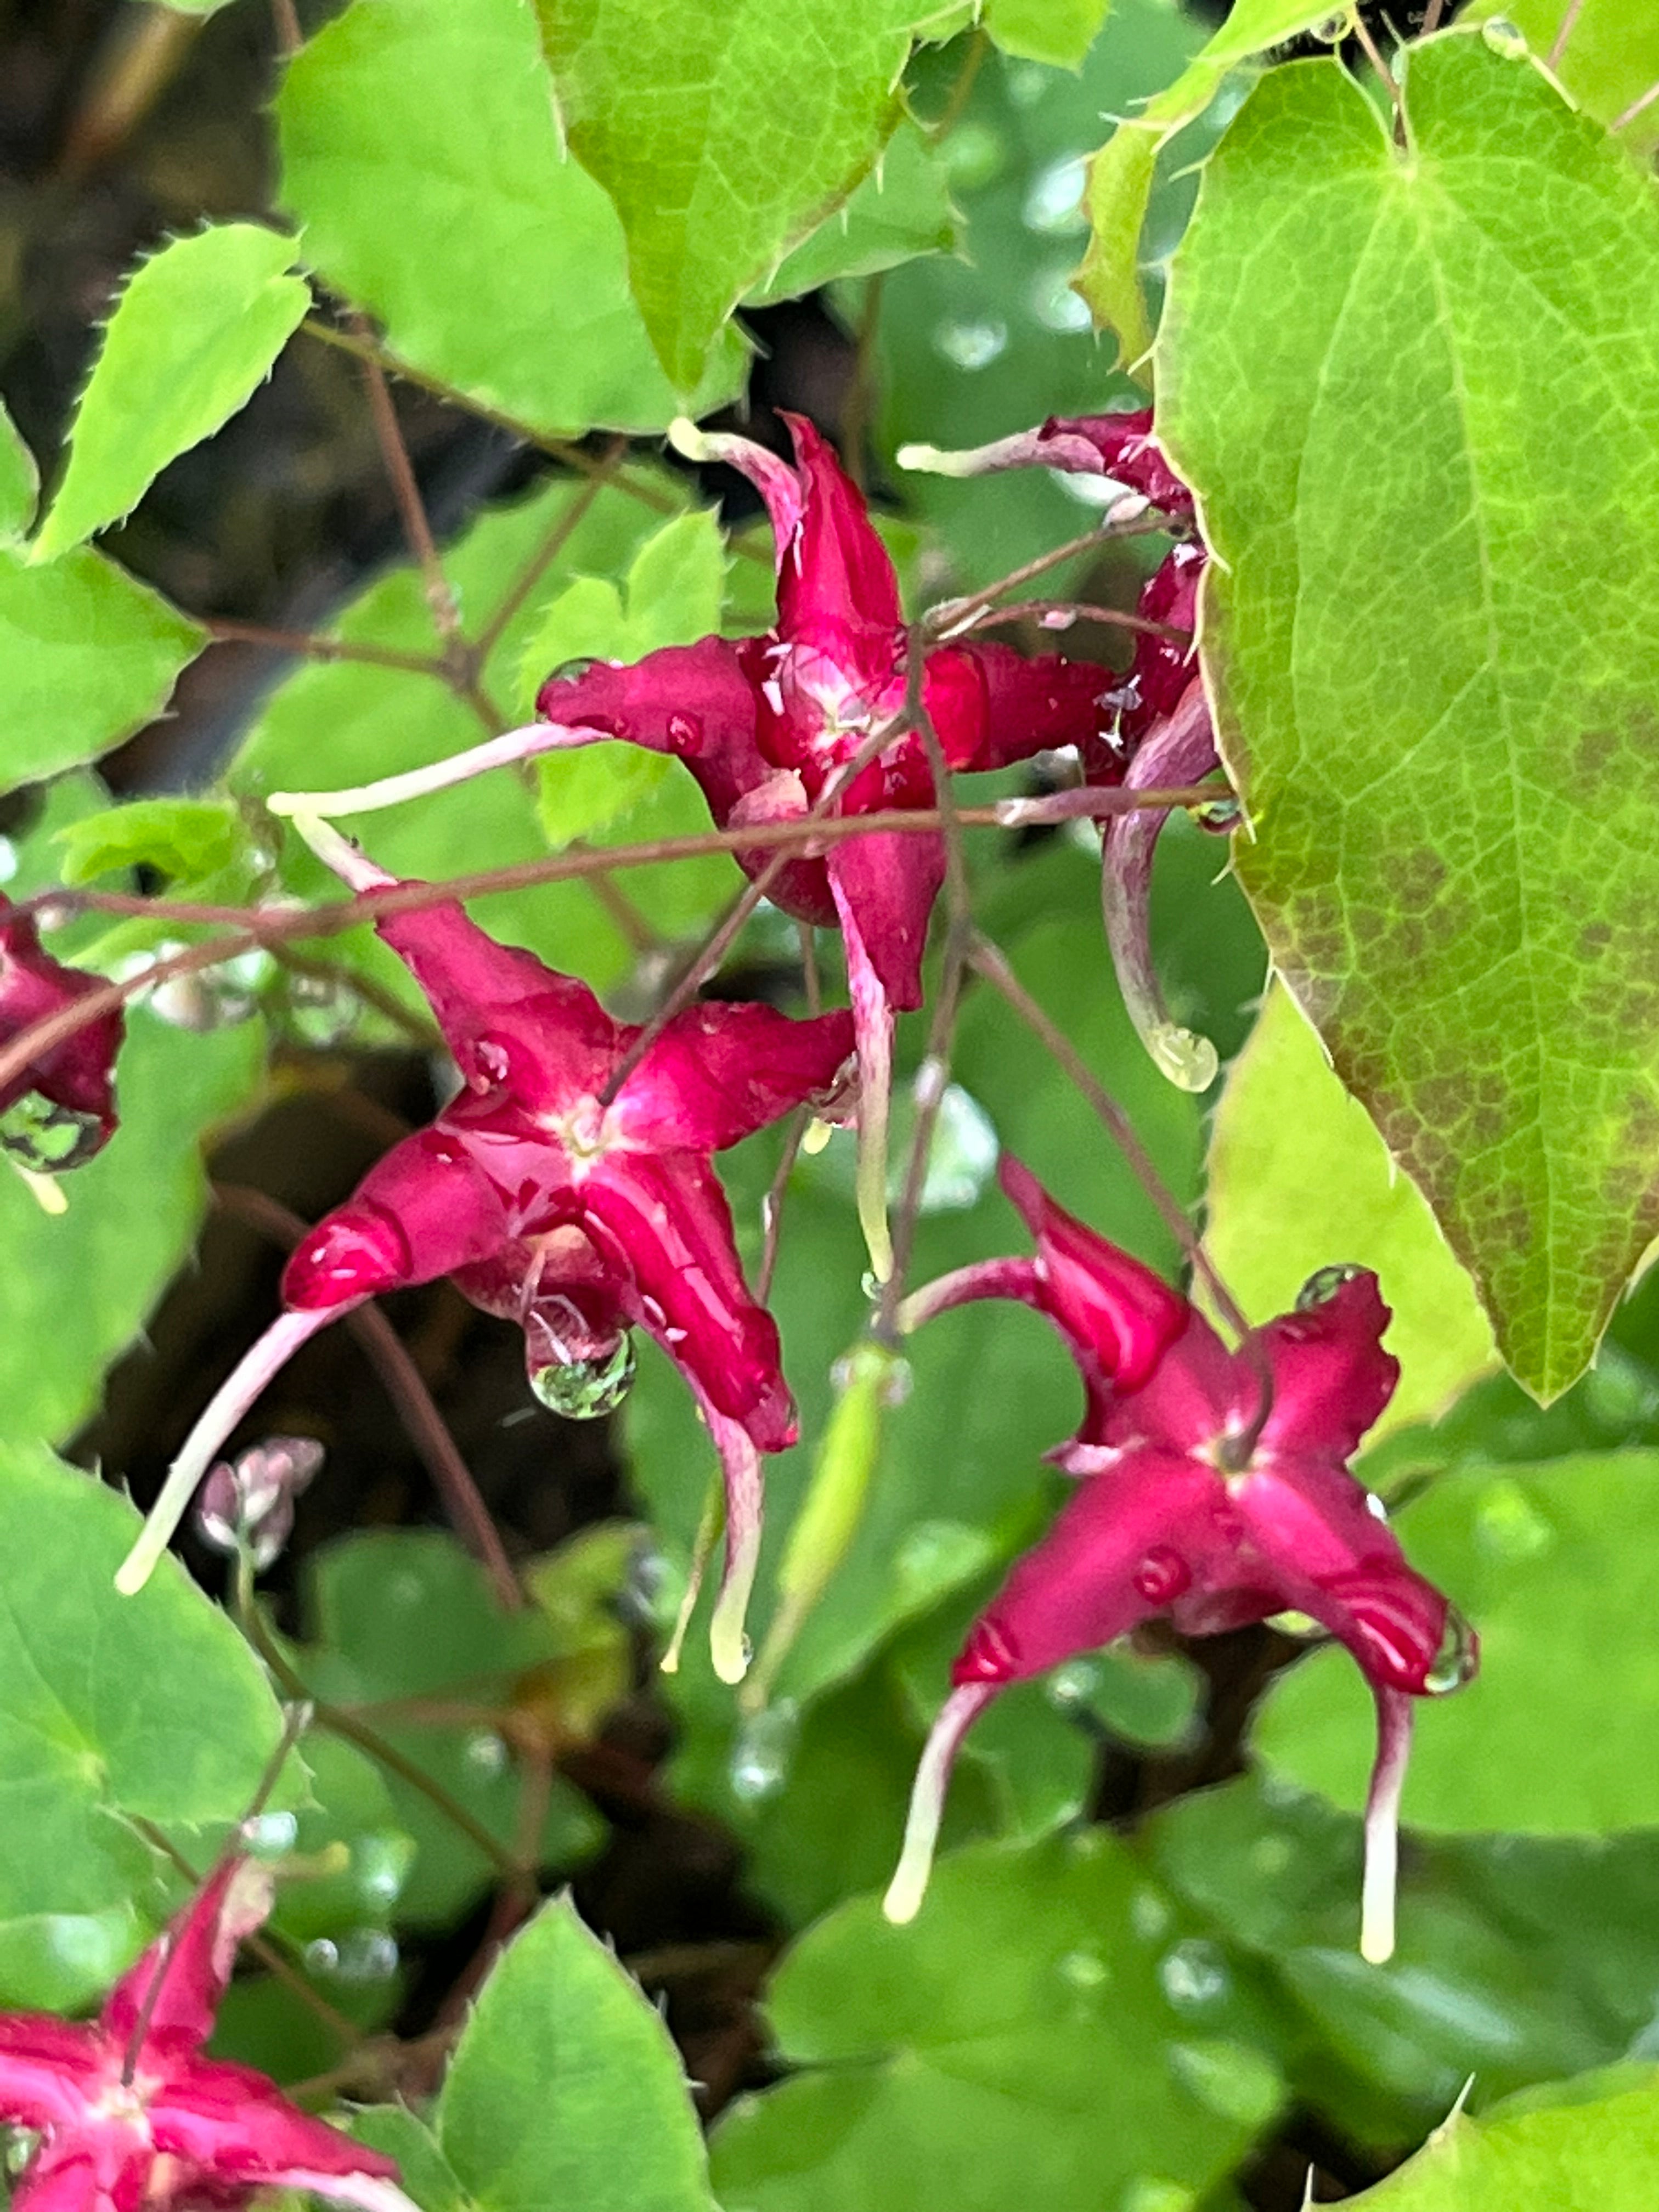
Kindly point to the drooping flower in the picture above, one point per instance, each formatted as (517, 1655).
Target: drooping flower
(1214, 1491)
(815, 711)
(577, 1214)
(66, 1099)
(1162, 728)
(132, 2117)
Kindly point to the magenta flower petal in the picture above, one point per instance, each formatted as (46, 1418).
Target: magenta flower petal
(238, 2129)
(173, 1989)
(991, 706)
(835, 576)
(717, 1073)
(668, 1214)
(696, 703)
(425, 1210)
(1331, 1378)
(77, 1076)
(48, 2068)
(1122, 1316)
(1119, 445)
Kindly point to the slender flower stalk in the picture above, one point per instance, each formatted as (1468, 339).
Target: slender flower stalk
(1192, 1506)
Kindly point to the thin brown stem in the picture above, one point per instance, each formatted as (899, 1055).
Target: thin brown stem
(1431, 15)
(1636, 107)
(340, 1722)
(311, 647)
(949, 615)
(962, 90)
(1374, 55)
(1564, 30)
(259, 1946)
(411, 508)
(403, 1384)
(550, 550)
(285, 17)
(1060, 614)
(249, 929)
(989, 961)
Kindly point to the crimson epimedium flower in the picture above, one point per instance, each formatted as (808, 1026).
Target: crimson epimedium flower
(132, 2117)
(813, 713)
(64, 1100)
(1161, 736)
(577, 1214)
(1200, 1503)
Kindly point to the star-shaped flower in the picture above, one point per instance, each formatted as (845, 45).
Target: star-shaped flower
(1161, 736)
(576, 1213)
(1195, 1507)
(132, 2117)
(71, 1086)
(813, 712)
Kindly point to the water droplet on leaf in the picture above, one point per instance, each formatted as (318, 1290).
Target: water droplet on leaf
(971, 342)
(1231, 2079)
(1194, 1975)
(1506, 38)
(762, 1755)
(1509, 1525)
(1056, 305)
(1053, 199)
(1219, 814)
(1083, 1969)
(586, 1389)
(485, 1753)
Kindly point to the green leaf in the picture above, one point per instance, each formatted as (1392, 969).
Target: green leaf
(902, 209)
(1057, 31)
(193, 335)
(967, 2060)
(1557, 1734)
(130, 1222)
(699, 123)
(344, 723)
(973, 346)
(20, 482)
(110, 1708)
(87, 657)
(1519, 1959)
(1609, 58)
(1366, 356)
(421, 153)
(565, 2090)
(406, 1614)
(424, 2172)
(187, 837)
(1121, 174)
(1593, 2147)
(1298, 1178)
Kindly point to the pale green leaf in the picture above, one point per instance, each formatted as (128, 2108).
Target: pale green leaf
(20, 482)
(87, 657)
(1299, 1179)
(1016, 2045)
(194, 333)
(1383, 376)
(566, 2090)
(422, 155)
(173, 1723)
(129, 1222)
(1120, 175)
(723, 135)
(1585, 2146)
(1057, 31)
(188, 838)
(1557, 1734)
(1608, 59)
(902, 209)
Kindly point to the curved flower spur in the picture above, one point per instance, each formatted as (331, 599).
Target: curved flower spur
(1193, 1507)
(815, 717)
(578, 1214)
(132, 2117)
(1162, 732)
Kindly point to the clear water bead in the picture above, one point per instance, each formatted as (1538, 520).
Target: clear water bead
(586, 1389)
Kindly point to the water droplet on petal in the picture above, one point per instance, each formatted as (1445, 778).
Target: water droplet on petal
(1456, 1659)
(492, 1060)
(1194, 1975)
(684, 733)
(762, 1754)
(1292, 1623)
(49, 1140)
(586, 1389)
(1377, 1507)
(1057, 618)
(1322, 1286)
(971, 342)
(1161, 1576)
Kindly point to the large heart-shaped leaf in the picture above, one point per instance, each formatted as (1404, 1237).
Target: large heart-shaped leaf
(1423, 426)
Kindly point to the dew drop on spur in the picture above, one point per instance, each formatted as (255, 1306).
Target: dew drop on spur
(1456, 1661)
(585, 1389)
(1161, 1576)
